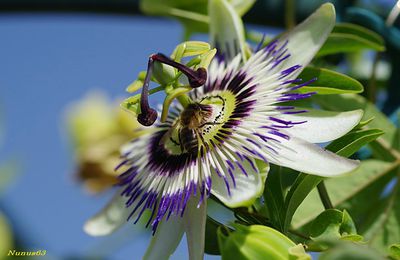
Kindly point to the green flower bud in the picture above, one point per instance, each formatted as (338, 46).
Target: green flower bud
(259, 242)
(164, 74)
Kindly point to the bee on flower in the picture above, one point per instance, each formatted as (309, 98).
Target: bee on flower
(229, 123)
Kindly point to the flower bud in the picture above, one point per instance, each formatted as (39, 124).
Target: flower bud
(259, 242)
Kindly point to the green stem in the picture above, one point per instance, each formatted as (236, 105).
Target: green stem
(298, 234)
(323, 194)
(184, 100)
(290, 12)
(372, 80)
(155, 90)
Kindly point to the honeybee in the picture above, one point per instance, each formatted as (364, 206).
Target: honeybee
(194, 117)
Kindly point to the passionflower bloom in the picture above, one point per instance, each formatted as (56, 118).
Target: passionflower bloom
(222, 141)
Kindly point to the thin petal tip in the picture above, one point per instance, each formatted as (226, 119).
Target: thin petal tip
(92, 229)
(329, 9)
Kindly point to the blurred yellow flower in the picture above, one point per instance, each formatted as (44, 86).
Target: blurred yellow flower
(98, 128)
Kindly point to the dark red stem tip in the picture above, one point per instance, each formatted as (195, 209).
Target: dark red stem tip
(148, 117)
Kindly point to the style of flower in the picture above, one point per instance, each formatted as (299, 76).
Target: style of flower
(222, 142)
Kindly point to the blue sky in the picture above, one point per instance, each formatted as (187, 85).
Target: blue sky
(47, 62)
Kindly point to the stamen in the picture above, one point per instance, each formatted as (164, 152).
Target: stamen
(196, 78)
(148, 115)
(260, 44)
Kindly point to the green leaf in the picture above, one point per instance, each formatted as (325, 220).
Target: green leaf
(396, 139)
(342, 189)
(382, 146)
(360, 31)
(349, 38)
(191, 13)
(381, 228)
(303, 185)
(344, 251)
(363, 123)
(354, 141)
(273, 197)
(332, 224)
(329, 82)
(394, 251)
(211, 242)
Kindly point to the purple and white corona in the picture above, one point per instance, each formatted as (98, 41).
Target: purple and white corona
(221, 142)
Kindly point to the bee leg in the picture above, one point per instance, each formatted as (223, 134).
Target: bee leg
(210, 123)
(174, 141)
(180, 141)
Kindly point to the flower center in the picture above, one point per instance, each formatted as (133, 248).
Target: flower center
(199, 124)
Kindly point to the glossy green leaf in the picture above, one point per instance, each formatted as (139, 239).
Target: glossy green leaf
(354, 141)
(360, 31)
(274, 197)
(258, 242)
(332, 224)
(382, 146)
(381, 228)
(363, 123)
(329, 82)
(211, 242)
(303, 185)
(349, 38)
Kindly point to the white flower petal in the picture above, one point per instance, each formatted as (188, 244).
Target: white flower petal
(248, 188)
(322, 126)
(226, 29)
(195, 227)
(242, 6)
(306, 39)
(166, 239)
(312, 159)
(109, 219)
